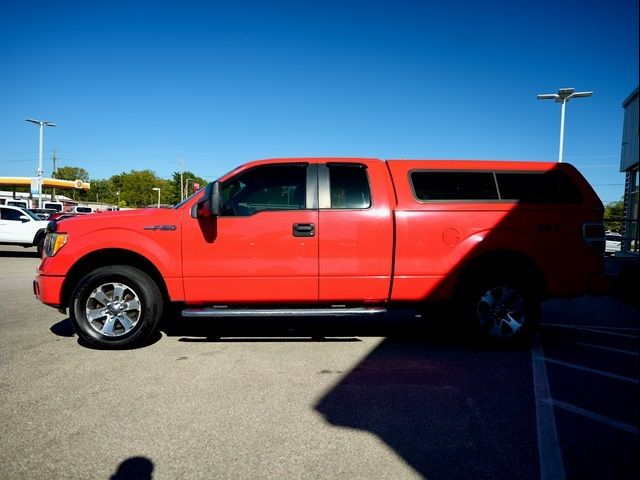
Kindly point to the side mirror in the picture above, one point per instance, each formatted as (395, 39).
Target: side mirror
(209, 205)
(24, 219)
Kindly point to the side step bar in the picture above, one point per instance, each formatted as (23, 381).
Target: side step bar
(213, 312)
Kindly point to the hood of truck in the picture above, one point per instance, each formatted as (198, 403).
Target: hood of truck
(140, 219)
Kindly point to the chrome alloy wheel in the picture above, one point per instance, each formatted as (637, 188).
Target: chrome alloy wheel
(501, 311)
(113, 309)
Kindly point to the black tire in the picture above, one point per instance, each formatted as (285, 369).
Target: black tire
(501, 307)
(40, 246)
(116, 307)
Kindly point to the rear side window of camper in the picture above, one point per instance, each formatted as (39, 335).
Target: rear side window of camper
(454, 186)
(526, 187)
(544, 187)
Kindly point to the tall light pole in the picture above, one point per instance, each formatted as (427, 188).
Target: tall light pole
(158, 189)
(40, 171)
(562, 97)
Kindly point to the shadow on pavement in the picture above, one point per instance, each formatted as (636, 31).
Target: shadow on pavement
(134, 468)
(449, 408)
(63, 328)
(19, 254)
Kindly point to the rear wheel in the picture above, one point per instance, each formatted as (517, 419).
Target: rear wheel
(117, 306)
(501, 308)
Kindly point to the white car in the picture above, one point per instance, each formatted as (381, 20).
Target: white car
(21, 227)
(614, 243)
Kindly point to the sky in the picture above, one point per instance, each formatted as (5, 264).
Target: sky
(143, 84)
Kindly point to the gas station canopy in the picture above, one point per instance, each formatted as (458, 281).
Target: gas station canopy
(46, 183)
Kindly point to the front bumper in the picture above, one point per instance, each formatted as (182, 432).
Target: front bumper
(48, 289)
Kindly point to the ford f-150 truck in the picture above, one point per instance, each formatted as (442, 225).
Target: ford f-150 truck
(332, 237)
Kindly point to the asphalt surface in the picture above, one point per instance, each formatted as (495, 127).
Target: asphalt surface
(304, 399)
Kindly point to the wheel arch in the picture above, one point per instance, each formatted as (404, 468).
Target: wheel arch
(101, 258)
(517, 263)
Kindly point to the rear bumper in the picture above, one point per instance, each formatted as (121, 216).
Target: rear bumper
(48, 289)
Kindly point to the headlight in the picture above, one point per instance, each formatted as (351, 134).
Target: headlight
(53, 242)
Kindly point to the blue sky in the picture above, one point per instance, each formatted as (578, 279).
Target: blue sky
(136, 85)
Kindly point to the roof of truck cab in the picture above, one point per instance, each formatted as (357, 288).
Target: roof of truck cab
(436, 164)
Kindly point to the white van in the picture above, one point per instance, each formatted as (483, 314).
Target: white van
(14, 202)
(57, 206)
(81, 209)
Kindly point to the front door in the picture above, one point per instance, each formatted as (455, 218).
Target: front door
(263, 247)
(13, 228)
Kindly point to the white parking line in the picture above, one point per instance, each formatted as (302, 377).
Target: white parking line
(602, 347)
(592, 370)
(604, 327)
(587, 329)
(550, 456)
(601, 327)
(593, 416)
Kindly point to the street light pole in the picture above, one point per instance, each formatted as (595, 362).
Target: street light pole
(39, 171)
(186, 187)
(158, 189)
(562, 97)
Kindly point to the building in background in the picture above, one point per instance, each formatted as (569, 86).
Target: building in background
(629, 165)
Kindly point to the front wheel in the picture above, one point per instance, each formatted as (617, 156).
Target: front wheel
(40, 246)
(117, 306)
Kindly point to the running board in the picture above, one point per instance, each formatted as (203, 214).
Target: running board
(216, 312)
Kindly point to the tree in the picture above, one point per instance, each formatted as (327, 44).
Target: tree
(136, 188)
(188, 178)
(613, 214)
(101, 191)
(72, 173)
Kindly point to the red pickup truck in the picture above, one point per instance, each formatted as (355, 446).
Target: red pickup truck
(332, 237)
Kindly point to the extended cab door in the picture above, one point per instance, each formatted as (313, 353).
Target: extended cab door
(356, 231)
(263, 247)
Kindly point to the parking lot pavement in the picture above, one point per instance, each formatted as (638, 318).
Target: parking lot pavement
(590, 350)
(254, 400)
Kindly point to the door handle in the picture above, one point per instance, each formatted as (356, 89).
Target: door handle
(304, 229)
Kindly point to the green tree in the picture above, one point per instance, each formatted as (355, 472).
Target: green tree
(188, 179)
(72, 173)
(613, 213)
(100, 192)
(136, 188)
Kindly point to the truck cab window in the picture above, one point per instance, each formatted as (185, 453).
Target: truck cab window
(349, 186)
(273, 187)
(11, 214)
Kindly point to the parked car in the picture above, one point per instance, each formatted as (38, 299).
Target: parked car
(335, 238)
(43, 213)
(21, 227)
(613, 243)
